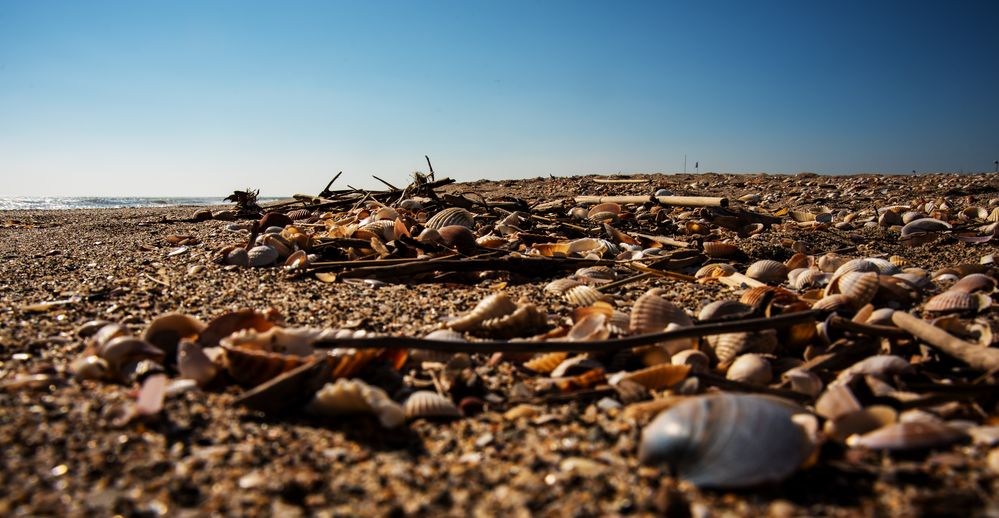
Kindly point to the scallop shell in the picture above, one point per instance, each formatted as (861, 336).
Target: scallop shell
(729, 345)
(768, 271)
(656, 377)
(493, 306)
(837, 303)
(356, 397)
(956, 302)
(809, 278)
(717, 249)
(595, 274)
(166, 331)
(526, 320)
(583, 295)
(750, 368)
(451, 216)
(830, 262)
(382, 229)
(907, 436)
(427, 404)
(545, 363)
(652, 313)
(726, 441)
(560, 286)
(799, 260)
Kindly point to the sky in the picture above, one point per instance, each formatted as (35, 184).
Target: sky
(198, 98)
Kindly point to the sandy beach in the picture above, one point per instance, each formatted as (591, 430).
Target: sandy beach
(65, 452)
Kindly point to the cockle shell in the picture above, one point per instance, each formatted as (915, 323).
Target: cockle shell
(656, 377)
(345, 397)
(166, 331)
(491, 241)
(545, 363)
(714, 270)
(717, 249)
(957, 302)
(493, 306)
(722, 308)
(382, 229)
(975, 282)
(652, 313)
(830, 262)
(767, 270)
(583, 295)
(808, 278)
(427, 404)
(286, 340)
(913, 435)
(451, 216)
(526, 320)
(750, 368)
(728, 440)
(729, 345)
(859, 287)
(299, 214)
(250, 368)
(560, 286)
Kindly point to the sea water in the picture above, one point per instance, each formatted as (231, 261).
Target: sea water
(105, 202)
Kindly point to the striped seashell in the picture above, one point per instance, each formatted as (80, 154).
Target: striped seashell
(861, 264)
(451, 216)
(656, 377)
(722, 308)
(491, 241)
(493, 306)
(652, 313)
(836, 303)
(768, 271)
(799, 260)
(526, 320)
(975, 282)
(859, 287)
(560, 286)
(382, 229)
(809, 278)
(830, 262)
(604, 217)
(546, 363)
(715, 270)
(250, 368)
(884, 266)
(717, 249)
(750, 368)
(345, 397)
(583, 295)
(729, 345)
(907, 436)
(427, 404)
(899, 261)
(923, 226)
(697, 360)
(595, 274)
(300, 214)
(957, 302)
(769, 294)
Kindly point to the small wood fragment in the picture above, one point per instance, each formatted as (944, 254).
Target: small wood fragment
(976, 356)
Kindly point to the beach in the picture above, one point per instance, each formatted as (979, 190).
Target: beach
(67, 453)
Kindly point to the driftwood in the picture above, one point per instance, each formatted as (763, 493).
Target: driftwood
(613, 181)
(679, 201)
(976, 356)
(611, 345)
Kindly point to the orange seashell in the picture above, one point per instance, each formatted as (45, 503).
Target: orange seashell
(250, 368)
(546, 363)
(657, 377)
(231, 322)
(717, 249)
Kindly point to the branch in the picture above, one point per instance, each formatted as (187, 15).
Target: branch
(976, 356)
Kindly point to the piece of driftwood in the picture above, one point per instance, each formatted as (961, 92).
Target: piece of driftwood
(679, 201)
(535, 266)
(976, 356)
(614, 181)
(610, 345)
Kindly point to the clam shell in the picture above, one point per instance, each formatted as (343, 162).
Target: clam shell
(583, 295)
(656, 377)
(907, 436)
(715, 270)
(750, 368)
(410, 204)
(586, 245)
(860, 422)
(123, 350)
(493, 306)
(881, 365)
(652, 313)
(768, 271)
(236, 256)
(90, 367)
(722, 308)
(602, 208)
(457, 236)
(803, 381)
(545, 363)
(837, 400)
(345, 397)
(717, 249)
(451, 216)
(263, 255)
(799, 260)
(729, 440)
(427, 404)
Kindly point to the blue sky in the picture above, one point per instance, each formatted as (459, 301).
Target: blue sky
(199, 98)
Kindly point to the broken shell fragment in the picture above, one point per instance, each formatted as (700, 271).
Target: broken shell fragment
(345, 397)
(493, 306)
(910, 435)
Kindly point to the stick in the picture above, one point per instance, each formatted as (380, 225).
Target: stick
(976, 356)
(620, 180)
(627, 280)
(617, 344)
(325, 192)
(394, 188)
(431, 166)
(679, 201)
(867, 329)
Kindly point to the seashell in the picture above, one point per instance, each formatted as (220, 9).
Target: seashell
(90, 328)
(837, 303)
(884, 266)
(90, 367)
(589, 328)
(975, 282)
(907, 436)
(729, 345)
(727, 441)
(297, 341)
(860, 422)
(250, 368)
(345, 397)
(603, 208)
(889, 218)
(194, 364)
(717, 249)
(236, 256)
(595, 274)
(457, 236)
(545, 363)
(279, 244)
(837, 400)
(300, 214)
(430, 236)
(859, 287)
(526, 320)
(910, 216)
(751, 198)
(299, 259)
(228, 323)
(576, 365)
(427, 404)
(411, 204)
(656, 377)
(652, 313)
(166, 331)
(560, 286)
(493, 306)
(803, 381)
(451, 216)
(957, 302)
(769, 295)
(583, 295)
(274, 219)
(382, 229)
(715, 270)
(923, 226)
(697, 360)
(122, 351)
(491, 241)
(880, 365)
(830, 262)
(105, 334)
(768, 271)
(853, 265)
(799, 260)
(750, 368)
(385, 213)
(587, 245)
(721, 309)
(809, 278)
(259, 256)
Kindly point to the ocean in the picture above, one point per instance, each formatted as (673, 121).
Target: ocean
(101, 202)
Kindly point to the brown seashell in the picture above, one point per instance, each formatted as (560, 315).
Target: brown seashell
(860, 422)
(383, 230)
(491, 241)
(250, 368)
(589, 328)
(545, 363)
(717, 249)
(451, 216)
(723, 308)
(604, 208)
(808, 278)
(595, 275)
(799, 260)
(837, 303)
(231, 322)
(194, 364)
(90, 367)
(729, 345)
(769, 295)
(576, 365)
(881, 365)
(526, 320)
(652, 313)
(715, 270)
(121, 351)
(768, 271)
(430, 236)
(837, 400)
(493, 306)
(274, 219)
(803, 381)
(457, 236)
(260, 256)
(166, 331)
(957, 302)
(583, 295)
(923, 230)
(859, 287)
(750, 368)
(656, 377)
(975, 282)
(560, 286)
(697, 360)
(300, 214)
(426, 404)
(908, 436)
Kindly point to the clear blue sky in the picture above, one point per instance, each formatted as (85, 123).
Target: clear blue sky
(199, 98)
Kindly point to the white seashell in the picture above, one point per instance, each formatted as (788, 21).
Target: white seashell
(583, 295)
(493, 306)
(426, 404)
(715, 270)
(346, 397)
(451, 216)
(750, 368)
(803, 381)
(697, 360)
(285, 340)
(768, 271)
(924, 226)
(259, 256)
(729, 345)
(90, 367)
(560, 286)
